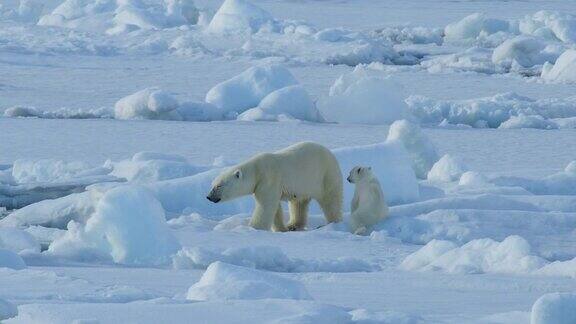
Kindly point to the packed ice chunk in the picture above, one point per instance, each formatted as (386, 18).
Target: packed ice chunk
(247, 89)
(53, 212)
(474, 25)
(489, 111)
(223, 281)
(292, 102)
(523, 50)
(512, 255)
(17, 240)
(151, 166)
(114, 17)
(473, 179)
(359, 98)
(198, 111)
(27, 11)
(239, 16)
(559, 268)
(364, 316)
(554, 308)
(390, 163)
(54, 171)
(7, 310)
(564, 70)
(447, 169)
(420, 148)
(150, 103)
(363, 52)
(427, 254)
(128, 225)
(11, 260)
(550, 25)
(531, 121)
(269, 258)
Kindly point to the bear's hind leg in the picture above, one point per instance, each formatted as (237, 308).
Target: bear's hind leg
(298, 214)
(278, 225)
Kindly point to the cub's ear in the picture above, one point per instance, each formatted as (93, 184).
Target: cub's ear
(238, 174)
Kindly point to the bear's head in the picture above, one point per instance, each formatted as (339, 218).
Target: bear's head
(230, 184)
(359, 173)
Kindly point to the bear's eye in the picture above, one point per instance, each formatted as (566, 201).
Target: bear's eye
(358, 170)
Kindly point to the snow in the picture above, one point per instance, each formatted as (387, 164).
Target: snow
(247, 89)
(420, 148)
(7, 310)
(223, 281)
(128, 225)
(557, 308)
(11, 260)
(447, 169)
(564, 70)
(357, 97)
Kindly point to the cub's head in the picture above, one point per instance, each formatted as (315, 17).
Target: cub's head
(231, 184)
(359, 173)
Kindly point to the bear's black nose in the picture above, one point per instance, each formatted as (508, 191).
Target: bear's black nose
(212, 199)
(348, 179)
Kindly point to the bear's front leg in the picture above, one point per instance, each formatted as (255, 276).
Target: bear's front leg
(267, 202)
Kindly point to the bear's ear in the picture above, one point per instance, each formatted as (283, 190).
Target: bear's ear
(369, 168)
(238, 174)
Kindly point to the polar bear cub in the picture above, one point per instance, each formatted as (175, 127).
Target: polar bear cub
(296, 174)
(368, 204)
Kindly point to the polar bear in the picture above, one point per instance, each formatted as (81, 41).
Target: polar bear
(296, 174)
(368, 204)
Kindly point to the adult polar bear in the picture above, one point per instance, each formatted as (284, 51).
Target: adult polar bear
(298, 173)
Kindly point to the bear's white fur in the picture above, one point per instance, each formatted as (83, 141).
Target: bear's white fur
(296, 174)
(368, 204)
